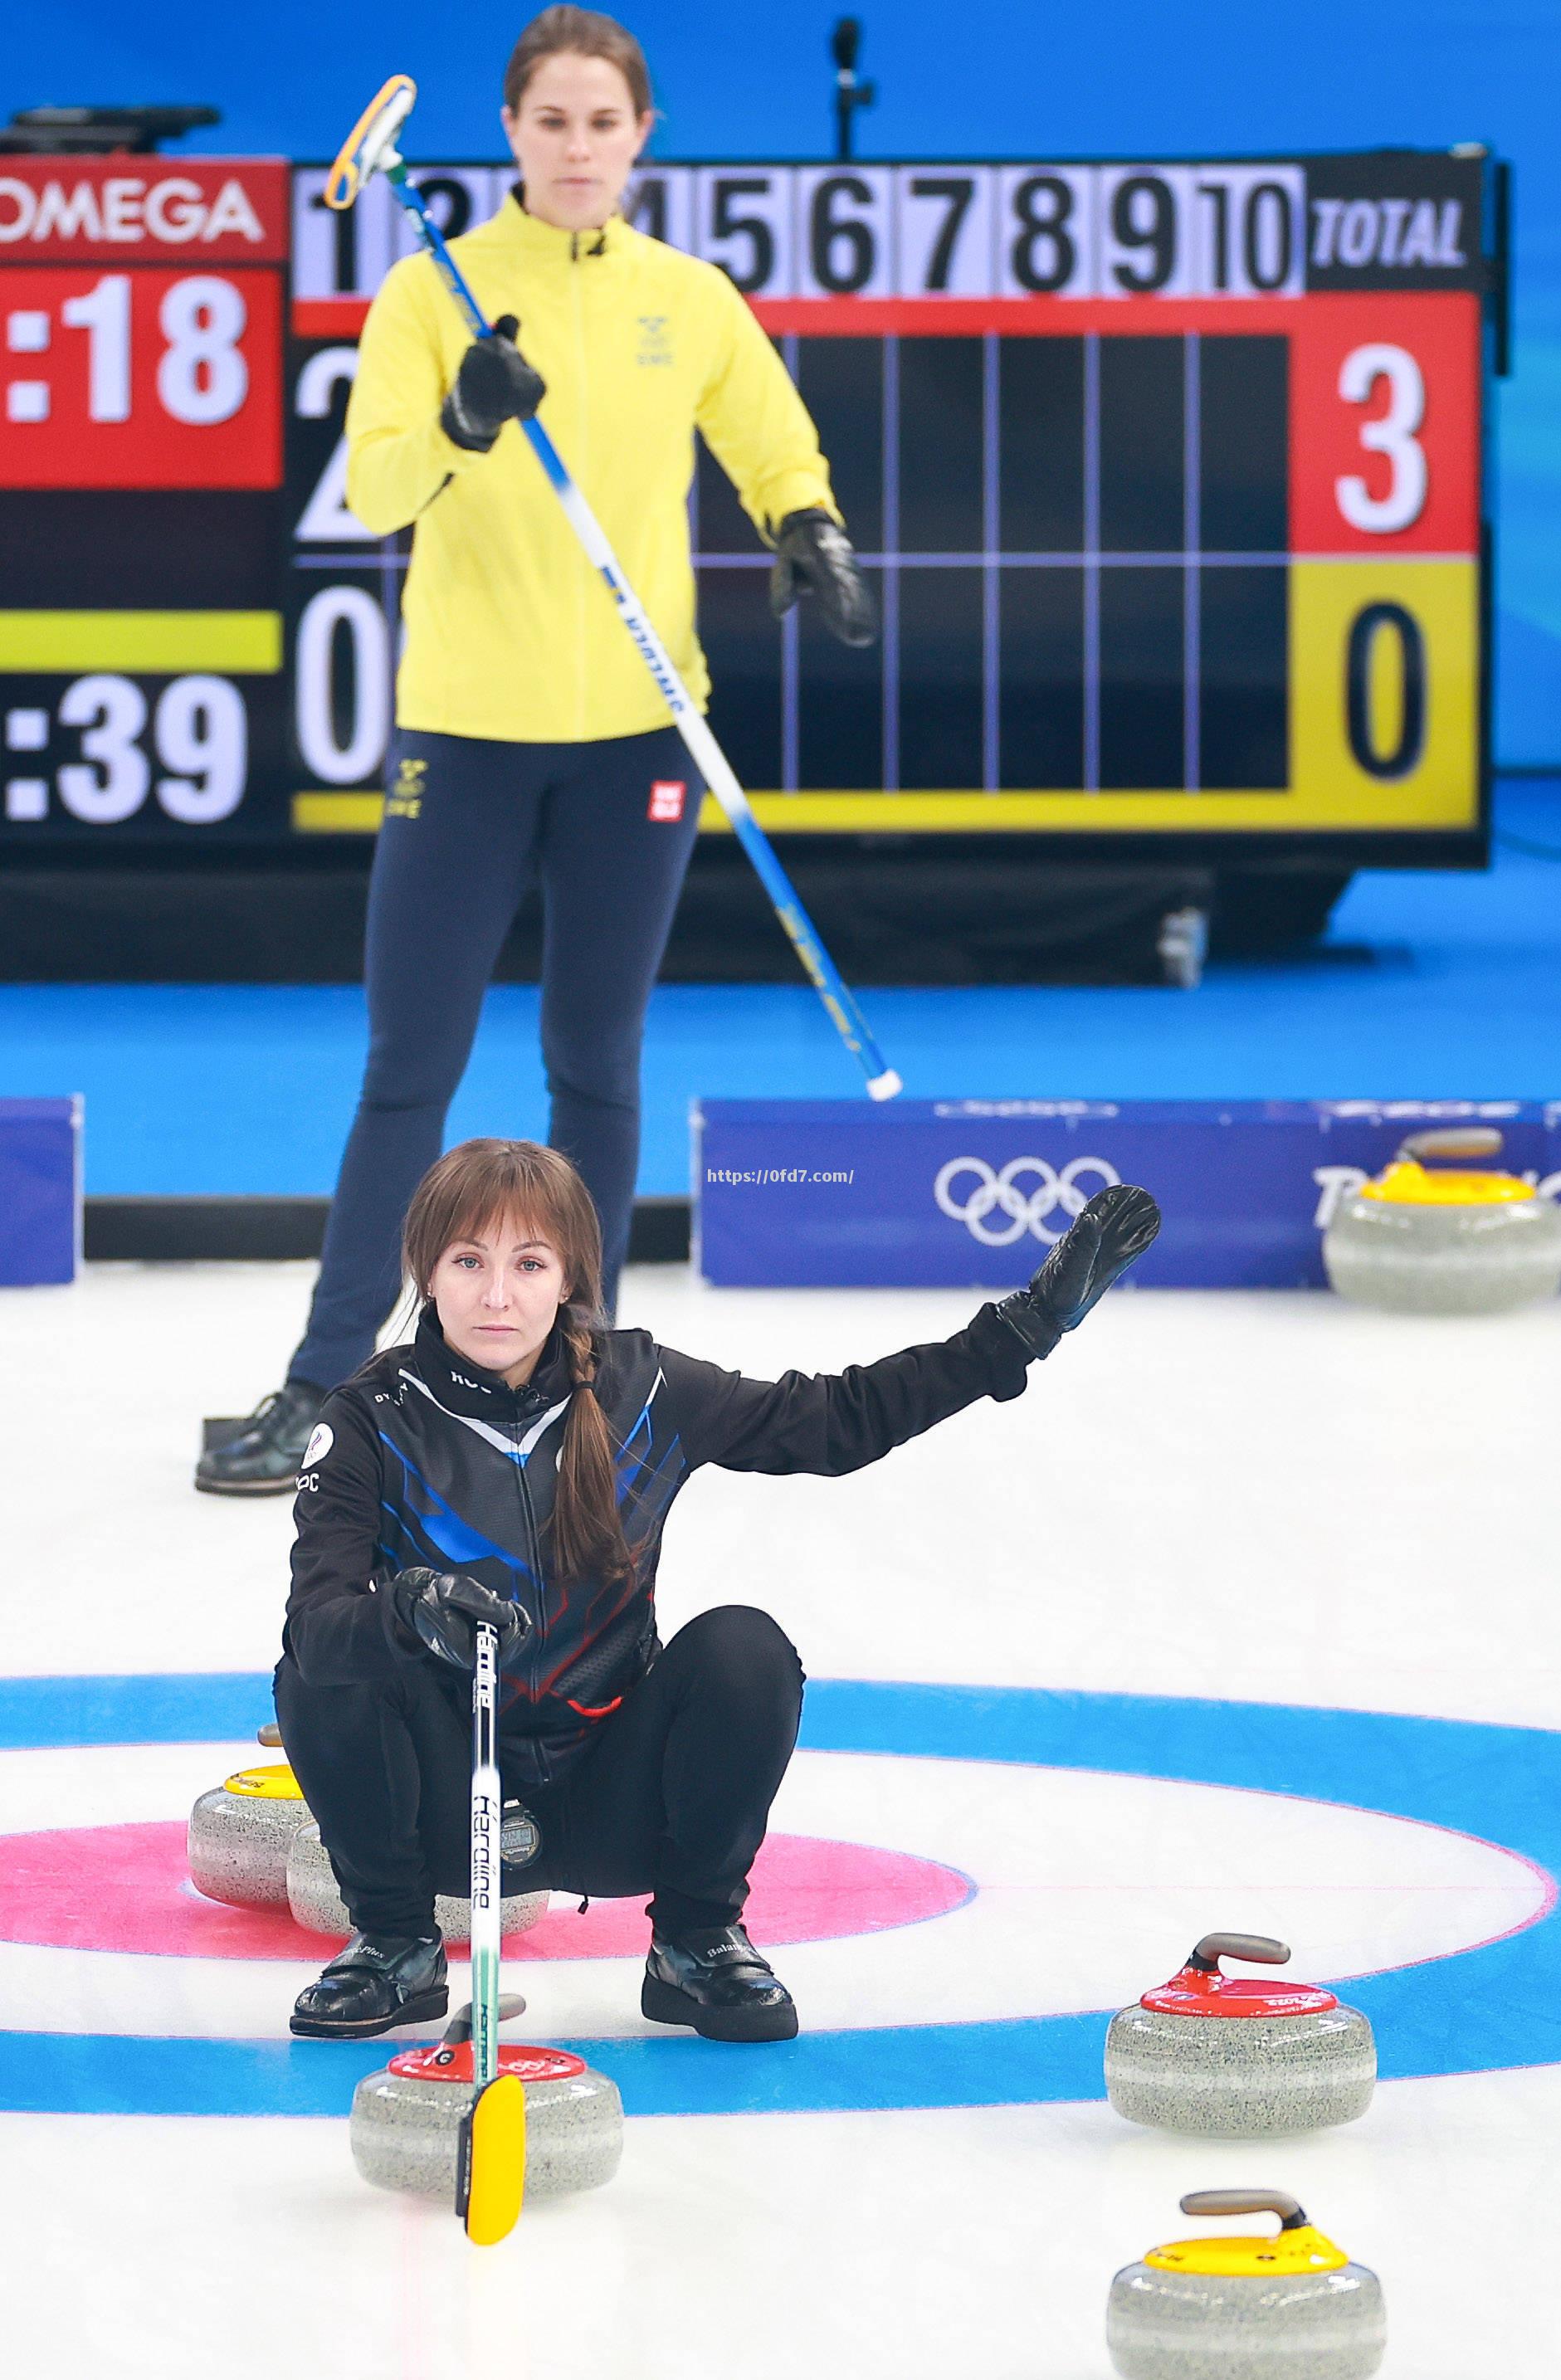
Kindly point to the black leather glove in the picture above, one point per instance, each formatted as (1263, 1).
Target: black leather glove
(495, 385)
(443, 1607)
(814, 557)
(1112, 1233)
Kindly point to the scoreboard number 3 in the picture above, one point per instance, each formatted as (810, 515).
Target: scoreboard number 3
(1392, 435)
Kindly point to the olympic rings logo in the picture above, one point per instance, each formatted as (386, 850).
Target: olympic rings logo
(1027, 1211)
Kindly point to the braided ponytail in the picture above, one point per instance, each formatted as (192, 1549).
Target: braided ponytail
(472, 1188)
(587, 1539)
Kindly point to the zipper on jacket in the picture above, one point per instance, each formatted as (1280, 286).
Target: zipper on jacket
(583, 458)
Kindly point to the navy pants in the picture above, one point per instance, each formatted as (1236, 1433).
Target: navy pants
(670, 1796)
(469, 824)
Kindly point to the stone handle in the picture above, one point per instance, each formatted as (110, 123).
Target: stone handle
(1262, 1948)
(460, 2027)
(269, 1735)
(1247, 2202)
(1454, 1141)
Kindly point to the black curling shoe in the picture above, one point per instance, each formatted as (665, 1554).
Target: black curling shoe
(379, 1980)
(720, 1985)
(265, 1457)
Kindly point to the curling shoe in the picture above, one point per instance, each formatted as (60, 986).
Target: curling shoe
(265, 1457)
(718, 1983)
(379, 1980)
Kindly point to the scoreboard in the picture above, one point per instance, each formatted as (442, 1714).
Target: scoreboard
(143, 304)
(1169, 477)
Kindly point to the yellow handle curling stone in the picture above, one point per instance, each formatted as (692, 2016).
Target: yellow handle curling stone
(1415, 1240)
(239, 1835)
(1284, 2305)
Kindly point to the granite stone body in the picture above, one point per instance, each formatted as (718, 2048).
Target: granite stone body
(1233, 2077)
(316, 1902)
(405, 2130)
(1444, 1259)
(1164, 2325)
(238, 1845)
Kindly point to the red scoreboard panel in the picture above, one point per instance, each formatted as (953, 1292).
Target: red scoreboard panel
(143, 323)
(143, 380)
(143, 318)
(1169, 475)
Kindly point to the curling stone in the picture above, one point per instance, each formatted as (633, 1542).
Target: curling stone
(1274, 2306)
(1238, 2055)
(1422, 1241)
(317, 1905)
(407, 2117)
(239, 1835)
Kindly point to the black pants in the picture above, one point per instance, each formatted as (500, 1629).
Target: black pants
(672, 1797)
(468, 824)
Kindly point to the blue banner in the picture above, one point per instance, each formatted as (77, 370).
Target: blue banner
(950, 1193)
(40, 1191)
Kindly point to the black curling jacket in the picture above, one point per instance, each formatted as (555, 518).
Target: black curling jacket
(422, 1458)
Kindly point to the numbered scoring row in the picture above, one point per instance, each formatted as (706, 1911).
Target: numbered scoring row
(186, 749)
(1391, 501)
(878, 231)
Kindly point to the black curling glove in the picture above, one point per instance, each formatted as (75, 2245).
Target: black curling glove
(495, 385)
(814, 557)
(444, 1608)
(1112, 1233)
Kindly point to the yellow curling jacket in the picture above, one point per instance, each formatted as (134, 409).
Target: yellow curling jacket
(510, 633)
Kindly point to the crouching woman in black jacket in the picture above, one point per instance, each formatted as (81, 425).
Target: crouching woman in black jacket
(515, 1463)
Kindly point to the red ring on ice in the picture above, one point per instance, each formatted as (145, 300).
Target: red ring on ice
(128, 1887)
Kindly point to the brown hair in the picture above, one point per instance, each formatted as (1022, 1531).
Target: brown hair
(582, 33)
(474, 1187)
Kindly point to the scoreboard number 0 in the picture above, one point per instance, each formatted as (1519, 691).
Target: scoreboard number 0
(343, 684)
(1373, 626)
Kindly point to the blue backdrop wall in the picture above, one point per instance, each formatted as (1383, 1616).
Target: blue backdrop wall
(1014, 77)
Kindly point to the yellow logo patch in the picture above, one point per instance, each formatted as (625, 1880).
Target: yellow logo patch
(404, 798)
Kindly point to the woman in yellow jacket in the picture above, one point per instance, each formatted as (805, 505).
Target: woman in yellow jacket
(530, 739)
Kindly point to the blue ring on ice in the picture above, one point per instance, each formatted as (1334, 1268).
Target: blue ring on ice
(1497, 2005)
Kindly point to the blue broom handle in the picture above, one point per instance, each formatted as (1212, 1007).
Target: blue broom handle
(841, 1003)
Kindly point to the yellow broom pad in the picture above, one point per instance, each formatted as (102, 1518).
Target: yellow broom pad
(493, 2163)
